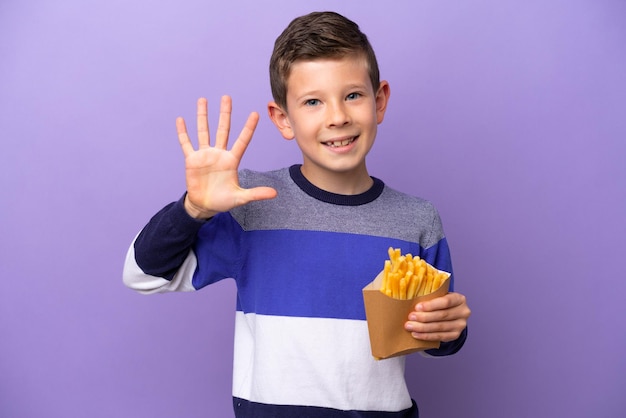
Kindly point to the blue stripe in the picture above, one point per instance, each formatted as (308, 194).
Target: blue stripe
(310, 273)
(247, 409)
(218, 250)
(298, 273)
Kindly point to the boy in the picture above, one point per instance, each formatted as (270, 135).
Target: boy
(301, 242)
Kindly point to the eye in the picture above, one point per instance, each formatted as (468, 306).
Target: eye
(353, 96)
(312, 102)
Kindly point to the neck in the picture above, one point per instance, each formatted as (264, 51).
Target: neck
(345, 183)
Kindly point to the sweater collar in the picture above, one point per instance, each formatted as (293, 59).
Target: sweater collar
(336, 199)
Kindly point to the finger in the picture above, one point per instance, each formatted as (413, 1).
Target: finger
(434, 316)
(436, 336)
(223, 126)
(203, 123)
(261, 193)
(246, 196)
(444, 302)
(241, 144)
(459, 312)
(441, 331)
(183, 138)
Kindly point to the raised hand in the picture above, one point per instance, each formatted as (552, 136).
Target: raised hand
(211, 171)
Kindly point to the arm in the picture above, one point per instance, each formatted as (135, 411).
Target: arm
(445, 318)
(161, 257)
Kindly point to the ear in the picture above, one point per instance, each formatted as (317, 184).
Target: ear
(382, 98)
(280, 118)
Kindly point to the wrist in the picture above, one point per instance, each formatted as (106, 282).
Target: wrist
(195, 212)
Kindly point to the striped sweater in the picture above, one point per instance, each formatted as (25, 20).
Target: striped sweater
(300, 262)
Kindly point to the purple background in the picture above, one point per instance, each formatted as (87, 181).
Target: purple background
(509, 115)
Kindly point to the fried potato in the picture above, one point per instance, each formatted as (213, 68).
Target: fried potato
(408, 276)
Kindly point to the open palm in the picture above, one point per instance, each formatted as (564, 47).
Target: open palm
(211, 171)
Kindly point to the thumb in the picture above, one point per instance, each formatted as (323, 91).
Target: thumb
(259, 193)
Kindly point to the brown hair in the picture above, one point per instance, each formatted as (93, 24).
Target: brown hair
(313, 36)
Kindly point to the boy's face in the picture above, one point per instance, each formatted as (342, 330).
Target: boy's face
(333, 113)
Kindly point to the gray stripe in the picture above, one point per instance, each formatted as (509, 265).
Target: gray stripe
(392, 215)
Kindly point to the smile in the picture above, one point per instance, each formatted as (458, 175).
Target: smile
(340, 143)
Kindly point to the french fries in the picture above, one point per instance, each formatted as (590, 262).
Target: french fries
(408, 276)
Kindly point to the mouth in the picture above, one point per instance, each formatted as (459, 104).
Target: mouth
(340, 142)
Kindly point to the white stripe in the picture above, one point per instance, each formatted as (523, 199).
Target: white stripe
(136, 279)
(316, 362)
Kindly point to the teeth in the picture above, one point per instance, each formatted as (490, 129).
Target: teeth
(342, 143)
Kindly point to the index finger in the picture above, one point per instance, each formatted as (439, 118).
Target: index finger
(240, 145)
(447, 301)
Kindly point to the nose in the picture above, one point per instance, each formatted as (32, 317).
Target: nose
(337, 114)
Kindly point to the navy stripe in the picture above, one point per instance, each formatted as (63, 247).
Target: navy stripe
(247, 409)
(163, 244)
(336, 199)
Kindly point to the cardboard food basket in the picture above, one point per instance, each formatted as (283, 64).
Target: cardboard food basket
(386, 317)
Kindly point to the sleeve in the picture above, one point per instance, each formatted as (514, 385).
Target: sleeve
(439, 256)
(161, 257)
(448, 348)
